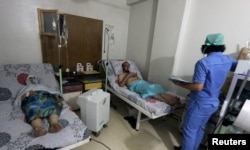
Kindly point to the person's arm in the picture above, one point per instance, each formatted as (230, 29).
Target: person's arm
(243, 53)
(123, 78)
(28, 94)
(190, 86)
(199, 75)
(59, 98)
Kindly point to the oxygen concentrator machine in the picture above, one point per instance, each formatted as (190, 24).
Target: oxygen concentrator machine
(94, 105)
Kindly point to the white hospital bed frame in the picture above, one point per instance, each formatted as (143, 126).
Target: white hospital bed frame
(138, 108)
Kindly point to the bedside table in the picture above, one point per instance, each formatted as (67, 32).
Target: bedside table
(72, 88)
(91, 80)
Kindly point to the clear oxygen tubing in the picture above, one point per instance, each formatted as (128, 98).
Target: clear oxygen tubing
(60, 79)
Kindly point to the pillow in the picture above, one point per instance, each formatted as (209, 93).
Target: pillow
(112, 81)
(117, 67)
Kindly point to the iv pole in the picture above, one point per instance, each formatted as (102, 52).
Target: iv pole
(108, 31)
(63, 34)
(59, 56)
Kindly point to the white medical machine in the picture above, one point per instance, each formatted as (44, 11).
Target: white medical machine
(94, 105)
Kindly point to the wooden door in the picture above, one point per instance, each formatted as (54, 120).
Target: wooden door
(84, 43)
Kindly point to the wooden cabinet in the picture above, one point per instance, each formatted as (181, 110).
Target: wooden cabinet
(74, 85)
(91, 80)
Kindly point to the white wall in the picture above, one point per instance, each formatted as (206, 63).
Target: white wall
(229, 17)
(180, 30)
(19, 40)
(140, 35)
(166, 35)
(154, 29)
(131, 2)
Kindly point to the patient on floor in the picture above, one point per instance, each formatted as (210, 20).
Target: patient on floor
(144, 88)
(37, 102)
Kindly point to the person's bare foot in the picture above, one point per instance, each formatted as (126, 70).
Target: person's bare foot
(39, 132)
(179, 105)
(171, 99)
(55, 128)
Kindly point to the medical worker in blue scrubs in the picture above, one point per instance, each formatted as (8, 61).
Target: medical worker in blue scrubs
(209, 76)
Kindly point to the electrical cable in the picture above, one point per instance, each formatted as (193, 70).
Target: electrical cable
(101, 143)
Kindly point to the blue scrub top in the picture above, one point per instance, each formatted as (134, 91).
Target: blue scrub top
(212, 71)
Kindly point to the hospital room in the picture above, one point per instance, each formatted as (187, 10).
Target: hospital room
(85, 59)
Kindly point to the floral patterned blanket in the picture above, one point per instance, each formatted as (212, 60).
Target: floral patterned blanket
(15, 132)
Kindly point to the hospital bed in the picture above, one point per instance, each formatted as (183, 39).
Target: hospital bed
(15, 132)
(151, 108)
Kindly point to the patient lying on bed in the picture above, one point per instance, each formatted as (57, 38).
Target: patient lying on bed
(145, 89)
(38, 101)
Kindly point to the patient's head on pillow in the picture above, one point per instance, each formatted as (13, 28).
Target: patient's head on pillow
(118, 69)
(125, 66)
(31, 79)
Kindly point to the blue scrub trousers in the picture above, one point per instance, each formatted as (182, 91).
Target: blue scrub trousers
(195, 121)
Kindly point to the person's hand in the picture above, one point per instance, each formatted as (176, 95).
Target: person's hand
(243, 53)
(176, 82)
(59, 99)
(132, 74)
(31, 93)
(28, 94)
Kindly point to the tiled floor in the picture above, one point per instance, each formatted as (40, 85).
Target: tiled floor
(158, 134)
